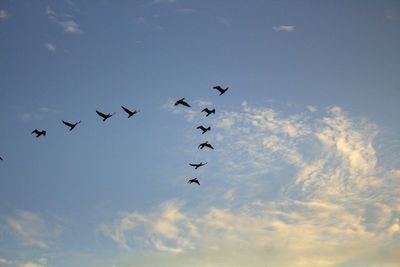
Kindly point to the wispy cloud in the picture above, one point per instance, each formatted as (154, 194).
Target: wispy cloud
(31, 229)
(186, 10)
(390, 14)
(3, 14)
(64, 21)
(163, 2)
(284, 28)
(50, 47)
(227, 22)
(42, 262)
(336, 203)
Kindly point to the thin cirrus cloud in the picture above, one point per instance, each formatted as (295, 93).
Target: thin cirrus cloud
(31, 229)
(336, 202)
(65, 22)
(50, 47)
(3, 14)
(284, 28)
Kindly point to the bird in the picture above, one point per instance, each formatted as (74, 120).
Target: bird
(220, 89)
(206, 110)
(130, 113)
(1, 158)
(182, 102)
(39, 133)
(205, 144)
(198, 165)
(104, 116)
(201, 127)
(71, 125)
(194, 180)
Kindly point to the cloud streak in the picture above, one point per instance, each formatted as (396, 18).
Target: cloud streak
(284, 28)
(304, 189)
(65, 22)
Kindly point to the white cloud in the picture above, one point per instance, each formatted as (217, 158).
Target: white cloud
(5, 261)
(50, 47)
(312, 108)
(64, 21)
(3, 14)
(164, 1)
(284, 28)
(31, 229)
(295, 190)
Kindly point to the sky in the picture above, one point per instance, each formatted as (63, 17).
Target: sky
(306, 166)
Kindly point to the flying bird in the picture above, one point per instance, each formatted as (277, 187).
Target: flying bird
(220, 89)
(39, 133)
(194, 180)
(209, 112)
(104, 116)
(71, 125)
(1, 158)
(198, 165)
(130, 113)
(182, 102)
(205, 144)
(201, 127)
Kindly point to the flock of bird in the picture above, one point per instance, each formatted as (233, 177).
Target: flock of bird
(208, 112)
(130, 113)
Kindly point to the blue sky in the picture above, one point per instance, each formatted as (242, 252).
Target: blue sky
(305, 170)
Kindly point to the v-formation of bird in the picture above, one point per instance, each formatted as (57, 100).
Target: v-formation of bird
(130, 113)
(208, 112)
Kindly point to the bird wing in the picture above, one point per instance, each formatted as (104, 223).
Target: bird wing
(205, 109)
(193, 165)
(1, 158)
(197, 182)
(126, 110)
(44, 133)
(217, 87)
(101, 114)
(185, 103)
(68, 124)
(35, 131)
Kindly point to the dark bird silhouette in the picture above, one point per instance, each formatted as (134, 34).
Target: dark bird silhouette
(201, 127)
(209, 112)
(198, 165)
(182, 102)
(104, 116)
(130, 113)
(71, 125)
(194, 180)
(220, 89)
(205, 144)
(39, 133)
(1, 158)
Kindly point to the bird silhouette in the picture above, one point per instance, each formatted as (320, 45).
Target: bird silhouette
(209, 112)
(39, 133)
(130, 113)
(71, 125)
(205, 144)
(194, 180)
(198, 165)
(201, 127)
(220, 89)
(1, 158)
(104, 116)
(182, 102)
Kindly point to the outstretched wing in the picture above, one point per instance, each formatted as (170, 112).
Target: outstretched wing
(35, 131)
(1, 158)
(126, 110)
(193, 165)
(196, 181)
(185, 103)
(68, 124)
(205, 110)
(101, 114)
(219, 88)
